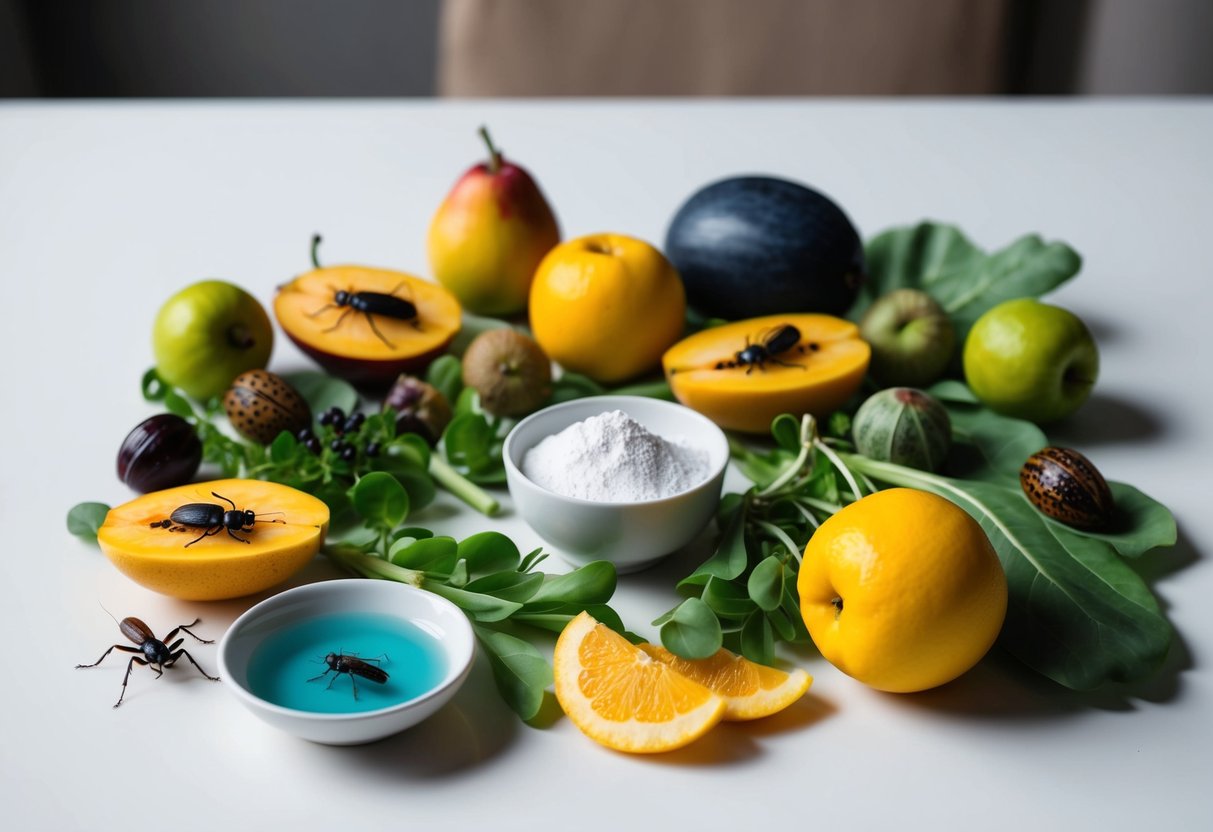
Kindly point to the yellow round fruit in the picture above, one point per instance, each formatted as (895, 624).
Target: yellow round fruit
(607, 306)
(902, 590)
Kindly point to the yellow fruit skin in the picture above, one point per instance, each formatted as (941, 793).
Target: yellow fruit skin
(487, 238)
(749, 398)
(923, 594)
(607, 306)
(216, 567)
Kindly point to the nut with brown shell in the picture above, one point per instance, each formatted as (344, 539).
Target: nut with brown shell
(260, 405)
(1066, 486)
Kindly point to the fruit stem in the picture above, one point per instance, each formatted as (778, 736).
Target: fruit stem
(494, 153)
(368, 566)
(462, 487)
(316, 251)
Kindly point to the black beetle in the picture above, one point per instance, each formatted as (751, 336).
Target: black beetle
(354, 666)
(156, 654)
(368, 303)
(213, 518)
(771, 343)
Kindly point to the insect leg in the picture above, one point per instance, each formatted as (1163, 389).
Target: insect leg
(126, 678)
(185, 628)
(321, 676)
(225, 499)
(339, 320)
(370, 319)
(324, 308)
(354, 682)
(212, 530)
(786, 363)
(173, 660)
(121, 647)
(232, 534)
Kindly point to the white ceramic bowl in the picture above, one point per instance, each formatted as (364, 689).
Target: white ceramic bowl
(630, 535)
(434, 614)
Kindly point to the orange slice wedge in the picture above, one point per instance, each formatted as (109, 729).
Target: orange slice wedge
(621, 697)
(749, 690)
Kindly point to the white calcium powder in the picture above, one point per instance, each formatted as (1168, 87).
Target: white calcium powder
(613, 458)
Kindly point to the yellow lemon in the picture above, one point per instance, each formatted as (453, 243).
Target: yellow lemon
(607, 306)
(624, 699)
(902, 590)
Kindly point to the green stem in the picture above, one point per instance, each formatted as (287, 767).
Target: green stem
(462, 487)
(368, 566)
(316, 251)
(494, 153)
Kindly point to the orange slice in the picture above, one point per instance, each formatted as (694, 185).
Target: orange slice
(749, 690)
(621, 697)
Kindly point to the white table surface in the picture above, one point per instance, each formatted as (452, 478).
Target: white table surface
(106, 209)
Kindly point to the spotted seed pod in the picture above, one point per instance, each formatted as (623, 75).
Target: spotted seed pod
(1063, 484)
(260, 405)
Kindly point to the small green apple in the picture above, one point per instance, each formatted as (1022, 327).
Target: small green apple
(911, 336)
(1030, 360)
(209, 333)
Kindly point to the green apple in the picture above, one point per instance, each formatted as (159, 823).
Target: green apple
(911, 338)
(1030, 360)
(209, 333)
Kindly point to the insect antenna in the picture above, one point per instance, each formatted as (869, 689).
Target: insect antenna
(107, 612)
(221, 497)
(266, 514)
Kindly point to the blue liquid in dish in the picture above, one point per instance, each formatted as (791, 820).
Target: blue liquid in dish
(280, 667)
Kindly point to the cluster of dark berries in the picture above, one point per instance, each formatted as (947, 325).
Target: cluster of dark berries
(339, 425)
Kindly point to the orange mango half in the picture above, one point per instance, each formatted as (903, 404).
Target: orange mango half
(361, 347)
(217, 566)
(817, 373)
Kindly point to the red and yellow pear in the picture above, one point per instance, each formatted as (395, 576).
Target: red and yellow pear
(489, 235)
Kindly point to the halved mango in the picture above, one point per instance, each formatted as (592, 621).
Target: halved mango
(816, 373)
(360, 346)
(217, 566)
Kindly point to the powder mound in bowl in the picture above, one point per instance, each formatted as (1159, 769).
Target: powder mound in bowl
(613, 458)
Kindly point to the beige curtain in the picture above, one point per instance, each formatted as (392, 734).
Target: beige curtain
(721, 47)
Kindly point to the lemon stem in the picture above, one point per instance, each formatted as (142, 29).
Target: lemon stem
(316, 251)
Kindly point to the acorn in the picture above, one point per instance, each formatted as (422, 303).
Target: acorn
(260, 405)
(1064, 485)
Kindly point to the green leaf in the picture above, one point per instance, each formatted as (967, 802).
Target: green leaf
(965, 280)
(477, 605)
(785, 429)
(988, 446)
(322, 391)
(1141, 524)
(433, 554)
(178, 405)
(1076, 612)
(489, 552)
(765, 585)
(692, 630)
(522, 674)
(381, 500)
(84, 519)
(283, 448)
(757, 639)
(511, 586)
(572, 386)
(731, 557)
(727, 599)
(153, 387)
(445, 373)
(593, 583)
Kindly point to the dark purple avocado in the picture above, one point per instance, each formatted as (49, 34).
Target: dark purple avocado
(757, 245)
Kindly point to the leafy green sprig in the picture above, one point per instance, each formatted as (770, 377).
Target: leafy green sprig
(486, 576)
(327, 473)
(1078, 613)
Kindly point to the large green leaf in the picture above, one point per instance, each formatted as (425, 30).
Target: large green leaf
(941, 261)
(1076, 612)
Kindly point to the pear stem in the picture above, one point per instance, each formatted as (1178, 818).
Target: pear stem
(316, 250)
(494, 153)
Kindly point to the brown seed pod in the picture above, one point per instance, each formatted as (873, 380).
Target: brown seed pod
(260, 405)
(1063, 484)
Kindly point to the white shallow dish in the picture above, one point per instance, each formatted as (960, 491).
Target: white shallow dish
(431, 613)
(630, 535)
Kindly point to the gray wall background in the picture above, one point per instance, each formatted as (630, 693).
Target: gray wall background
(172, 48)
